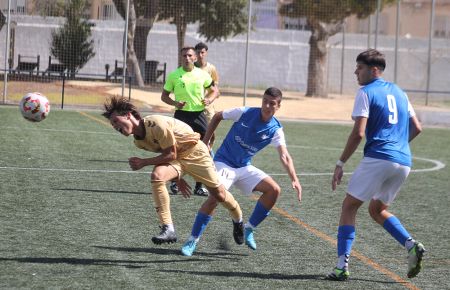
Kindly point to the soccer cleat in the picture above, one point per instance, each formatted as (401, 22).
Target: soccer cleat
(188, 248)
(165, 236)
(339, 274)
(201, 191)
(249, 239)
(238, 232)
(173, 188)
(415, 255)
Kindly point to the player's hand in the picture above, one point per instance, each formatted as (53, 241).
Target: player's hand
(297, 187)
(207, 101)
(184, 188)
(180, 105)
(337, 177)
(136, 163)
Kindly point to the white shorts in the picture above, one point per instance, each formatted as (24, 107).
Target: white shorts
(243, 178)
(377, 179)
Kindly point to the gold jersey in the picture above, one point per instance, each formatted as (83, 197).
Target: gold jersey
(212, 71)
(162, 132)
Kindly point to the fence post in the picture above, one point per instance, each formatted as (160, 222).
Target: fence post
(7, 56)
(430, 40)
(342, 58)
(249, 23)
(62, 93)
(397, 32)
(129, 88)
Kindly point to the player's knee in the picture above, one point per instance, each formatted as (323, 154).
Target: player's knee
(275, 191)
(374, 212)
(219, 193)
(156, 177)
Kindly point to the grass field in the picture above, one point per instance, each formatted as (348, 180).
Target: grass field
(73, 215)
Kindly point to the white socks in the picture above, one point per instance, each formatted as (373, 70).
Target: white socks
(170, 227)
(409, 244)
(343, 262)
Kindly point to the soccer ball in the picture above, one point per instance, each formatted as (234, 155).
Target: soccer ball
(34, 107)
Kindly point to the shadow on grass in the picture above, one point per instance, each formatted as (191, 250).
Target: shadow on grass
(275, 276)
(93, 262)
(100, 190)
(269, 276)
(161, 251)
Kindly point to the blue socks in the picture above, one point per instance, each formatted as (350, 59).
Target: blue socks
(200, 223)
(345, 238)
(394, 227)
(258, 215)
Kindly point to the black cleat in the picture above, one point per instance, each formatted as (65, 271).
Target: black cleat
(201, 191)
(173, 188)
(238, 232)
(165, 236)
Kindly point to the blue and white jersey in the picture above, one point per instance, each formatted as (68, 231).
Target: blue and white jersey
(388, 111)
(248, 135)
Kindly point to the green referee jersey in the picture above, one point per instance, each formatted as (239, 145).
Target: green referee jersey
(189, 87)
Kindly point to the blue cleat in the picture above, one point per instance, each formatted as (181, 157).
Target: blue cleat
(188, 248)
(249, 239)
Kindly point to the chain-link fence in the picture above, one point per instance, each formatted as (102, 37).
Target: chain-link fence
(77, 52)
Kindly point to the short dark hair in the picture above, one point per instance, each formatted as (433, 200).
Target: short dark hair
(200, 46)
(274, 92)
(187, 48)
(120, 106)
(372, 57)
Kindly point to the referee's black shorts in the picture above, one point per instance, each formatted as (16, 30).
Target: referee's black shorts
(197, 120)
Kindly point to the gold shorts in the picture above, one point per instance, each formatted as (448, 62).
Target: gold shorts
(209, 112)
(199, 164)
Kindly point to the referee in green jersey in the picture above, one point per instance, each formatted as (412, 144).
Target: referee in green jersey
(193, 89)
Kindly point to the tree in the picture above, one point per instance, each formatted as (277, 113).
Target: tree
(142, 14)
(49, 7)
(2, 20)
(217, 19)
(325, 19)
(70, 43)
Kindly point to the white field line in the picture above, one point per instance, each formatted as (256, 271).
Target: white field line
(438, 165)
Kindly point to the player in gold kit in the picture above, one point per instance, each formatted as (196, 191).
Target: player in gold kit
(180, 152)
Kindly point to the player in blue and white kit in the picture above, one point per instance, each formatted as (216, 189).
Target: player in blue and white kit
(383, 113)
(253, 129)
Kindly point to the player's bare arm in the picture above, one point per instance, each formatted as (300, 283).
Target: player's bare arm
(353, 141)
(414, 128)
(288, 164)
(216, 119)
(167, 155)
(211, 94)
(165, 97)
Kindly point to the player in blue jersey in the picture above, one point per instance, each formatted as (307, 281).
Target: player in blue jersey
(383, 113)
(253, 129)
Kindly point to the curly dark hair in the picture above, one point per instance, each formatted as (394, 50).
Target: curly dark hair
(120, 106)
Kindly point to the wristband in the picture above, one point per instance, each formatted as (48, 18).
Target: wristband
(340, 163)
